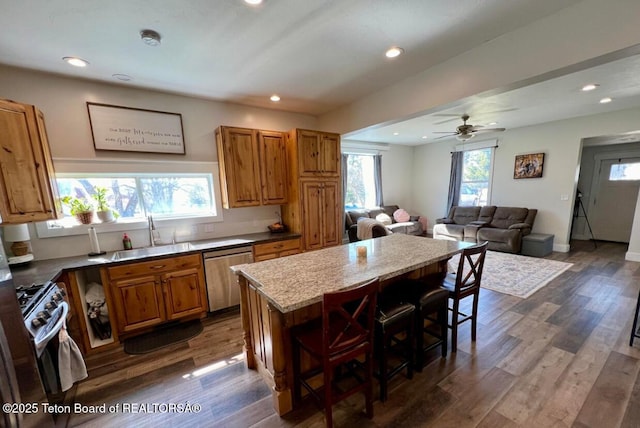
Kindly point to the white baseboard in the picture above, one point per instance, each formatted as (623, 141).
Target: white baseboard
(632, 256)
(561, 248)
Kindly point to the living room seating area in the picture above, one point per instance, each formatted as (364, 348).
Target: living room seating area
(502, 227)
(395, 219)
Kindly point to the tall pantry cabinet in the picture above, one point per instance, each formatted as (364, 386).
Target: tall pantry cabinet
(315, 188)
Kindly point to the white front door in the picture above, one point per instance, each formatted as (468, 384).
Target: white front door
(614, 202)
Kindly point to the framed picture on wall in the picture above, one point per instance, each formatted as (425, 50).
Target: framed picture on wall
(528, 166)
(135, 130)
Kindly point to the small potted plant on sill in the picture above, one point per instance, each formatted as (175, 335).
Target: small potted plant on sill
(80, 208)
(105, 213)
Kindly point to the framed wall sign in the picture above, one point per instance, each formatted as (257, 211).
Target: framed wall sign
(528, 166)
(135, 130)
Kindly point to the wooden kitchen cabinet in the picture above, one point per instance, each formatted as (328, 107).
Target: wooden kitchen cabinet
(183, 293)
(153, 292)
(138, 302)
(319, 152)
(315, 190)
(28, 190)
(253, 167)
(274, 250)
(321, 213)
(273, 167)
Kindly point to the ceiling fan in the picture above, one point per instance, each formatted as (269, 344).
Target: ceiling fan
(465, 132)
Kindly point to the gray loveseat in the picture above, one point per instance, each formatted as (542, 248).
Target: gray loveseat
(411, 227)
(503, 227)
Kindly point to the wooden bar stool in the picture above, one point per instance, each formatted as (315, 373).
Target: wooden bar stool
(393, 337)
(339, 344)
(432, 301)
(465, 283)
(430, 304)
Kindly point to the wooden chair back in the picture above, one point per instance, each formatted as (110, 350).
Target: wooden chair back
(469, 273)
(348, 319)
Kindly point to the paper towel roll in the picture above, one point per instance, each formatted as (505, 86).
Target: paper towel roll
(93, 239)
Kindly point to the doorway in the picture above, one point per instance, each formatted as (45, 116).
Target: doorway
(613, 200)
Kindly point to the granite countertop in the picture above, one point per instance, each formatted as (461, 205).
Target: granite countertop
(43, 270)
(300, 280)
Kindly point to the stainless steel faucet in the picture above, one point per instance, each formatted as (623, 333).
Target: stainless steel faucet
(152, 228)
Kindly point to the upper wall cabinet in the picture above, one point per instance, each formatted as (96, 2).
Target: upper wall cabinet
(273, 167)
(28, 190)
(253, 167)
(319, 153)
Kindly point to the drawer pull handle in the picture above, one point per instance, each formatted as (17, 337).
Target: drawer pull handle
(157, 267)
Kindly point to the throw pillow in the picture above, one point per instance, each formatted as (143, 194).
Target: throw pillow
(384, 219)
(401, 215)
(423, 221)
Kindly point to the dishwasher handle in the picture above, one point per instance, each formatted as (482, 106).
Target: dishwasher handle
(227, 252)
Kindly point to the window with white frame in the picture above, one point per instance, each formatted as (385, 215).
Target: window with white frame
(475, 186)
(360, 189)
(177, 194)
(132, 197)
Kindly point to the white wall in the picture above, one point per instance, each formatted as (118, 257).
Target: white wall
(63, 102)
(397, 178)
(561, 143)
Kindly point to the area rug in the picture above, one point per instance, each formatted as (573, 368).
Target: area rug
(162, 337)
(519, 276)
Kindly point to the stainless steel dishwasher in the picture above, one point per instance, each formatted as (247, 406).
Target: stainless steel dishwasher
(222, 287)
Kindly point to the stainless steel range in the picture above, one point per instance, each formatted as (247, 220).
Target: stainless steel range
(44, 311)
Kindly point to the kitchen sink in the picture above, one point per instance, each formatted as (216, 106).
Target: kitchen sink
(158, 250)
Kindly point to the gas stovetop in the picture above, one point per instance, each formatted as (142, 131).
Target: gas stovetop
(30, 295)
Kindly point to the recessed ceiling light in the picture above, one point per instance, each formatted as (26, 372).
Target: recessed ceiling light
(424, 137)
(77, 62)
(150, 37)
(606, 100)
(396, 133)
(275, 98)
(394, 52)
(253, 2)
(590, 87)
(123, 77)
(492, 123)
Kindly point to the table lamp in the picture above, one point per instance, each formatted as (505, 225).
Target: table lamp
(19, 235)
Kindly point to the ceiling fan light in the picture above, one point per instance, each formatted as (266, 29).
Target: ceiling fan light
(464, 137)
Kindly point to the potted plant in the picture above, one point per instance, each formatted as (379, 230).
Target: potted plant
(80, 208)
(105, 213)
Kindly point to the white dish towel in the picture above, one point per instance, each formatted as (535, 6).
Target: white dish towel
(71, 366)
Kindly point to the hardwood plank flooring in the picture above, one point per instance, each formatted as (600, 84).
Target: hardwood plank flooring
(560, 358)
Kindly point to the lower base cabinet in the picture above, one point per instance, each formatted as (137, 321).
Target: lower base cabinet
(149, 293)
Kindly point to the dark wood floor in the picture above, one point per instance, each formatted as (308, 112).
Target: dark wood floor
(559, 358)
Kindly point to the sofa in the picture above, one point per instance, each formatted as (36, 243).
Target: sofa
(503, 227)
(411, 227)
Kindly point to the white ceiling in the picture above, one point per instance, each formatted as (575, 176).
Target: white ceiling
(317, 55)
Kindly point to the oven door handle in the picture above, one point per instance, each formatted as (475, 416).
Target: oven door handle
(60, 315)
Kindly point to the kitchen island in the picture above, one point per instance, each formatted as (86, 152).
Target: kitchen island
(279, 294)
